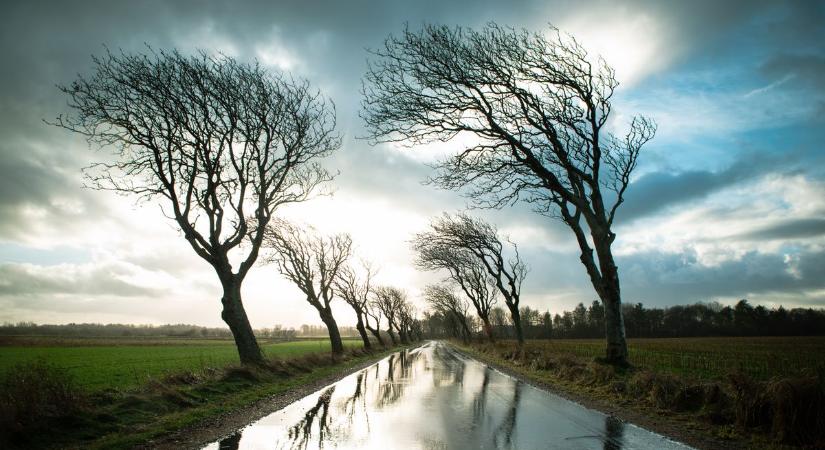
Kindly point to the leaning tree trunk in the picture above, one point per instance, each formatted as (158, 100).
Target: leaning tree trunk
(488, 329)
(377, 333)
(234, 315)
(606, 281)
(332, 328)
(466, 329)
(360, 327)
(515, 314)
(613, 320)
(392, 335)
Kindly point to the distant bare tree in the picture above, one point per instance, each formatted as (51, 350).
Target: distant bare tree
(357, 294)
(371, 312)
(407, 321)
(222, 143)
(464, 269)
(443, 299)
(389, 300)
(535, 108)
(313, 263)
(480, 239)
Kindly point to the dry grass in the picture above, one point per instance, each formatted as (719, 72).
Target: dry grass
(786, 410)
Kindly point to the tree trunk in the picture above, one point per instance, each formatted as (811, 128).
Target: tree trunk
(605, 280)
(402, 335)
(234, 315)
(516, 316)
(392, 335)
(468, 335)
(613, 320)
(332, 328)
(377, 333)
(363, 332)
(488, 329)
(610, 294)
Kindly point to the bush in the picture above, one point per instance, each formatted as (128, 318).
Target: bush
(34, 391)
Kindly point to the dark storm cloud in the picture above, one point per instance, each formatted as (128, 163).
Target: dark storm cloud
(791, 229)
(48, 43)
(664, 278)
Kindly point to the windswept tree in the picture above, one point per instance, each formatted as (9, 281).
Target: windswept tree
(533, 109)
(371, 312)
(442, 299)
(464, 270)
(389, 300)
(221, 144)
(481, 241)
(313, 263)
(356, 292)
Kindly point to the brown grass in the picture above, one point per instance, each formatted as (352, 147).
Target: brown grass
(788, 410)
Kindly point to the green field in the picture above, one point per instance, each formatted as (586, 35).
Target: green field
(124, 363)
(759, 357)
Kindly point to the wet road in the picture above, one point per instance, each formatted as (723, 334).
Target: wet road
(433, 398)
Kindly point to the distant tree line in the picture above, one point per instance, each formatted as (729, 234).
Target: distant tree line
(172, 330)
(696, 320)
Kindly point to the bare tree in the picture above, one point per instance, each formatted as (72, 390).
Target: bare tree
(356, 293)
(443, 299)
(221, 143)
(535, 109)
(406, 321)
(480, 240)
(464, 269)
(313, 263)
(371, 312)
(389, 300)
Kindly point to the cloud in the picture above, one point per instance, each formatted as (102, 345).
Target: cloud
(23, 280)
(727, 191)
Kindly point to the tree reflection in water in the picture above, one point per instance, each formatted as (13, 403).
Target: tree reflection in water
(480, 400)
(390, 390)
(504, 432)
(613, 433)
(301, 432)
(230, 442)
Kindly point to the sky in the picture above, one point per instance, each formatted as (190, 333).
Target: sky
(728, 201)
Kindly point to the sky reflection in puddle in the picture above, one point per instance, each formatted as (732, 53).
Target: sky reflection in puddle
(432, 398)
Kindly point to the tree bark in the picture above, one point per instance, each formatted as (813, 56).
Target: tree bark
(377, 333)
(515, 314)
(363, 332)
(488, 329)
(332, 328)
(234, 315)
(611, 298)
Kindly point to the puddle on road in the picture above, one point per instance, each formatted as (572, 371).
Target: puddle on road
(433, 398)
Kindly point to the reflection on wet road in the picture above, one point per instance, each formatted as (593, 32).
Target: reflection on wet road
(434, 398)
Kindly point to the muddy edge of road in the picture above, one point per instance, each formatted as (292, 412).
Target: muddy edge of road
(216, 428)
(651, 420)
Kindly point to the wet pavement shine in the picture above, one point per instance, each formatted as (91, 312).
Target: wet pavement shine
(431, 397)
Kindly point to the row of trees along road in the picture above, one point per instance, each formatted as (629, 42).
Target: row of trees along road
(534, 108)
(223, 144)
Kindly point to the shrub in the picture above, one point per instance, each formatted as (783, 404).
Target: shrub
(33, 391)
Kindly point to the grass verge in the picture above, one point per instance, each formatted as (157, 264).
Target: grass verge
(733, 411)
(41, 405)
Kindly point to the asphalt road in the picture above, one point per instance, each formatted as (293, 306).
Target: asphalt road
(433, 398)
